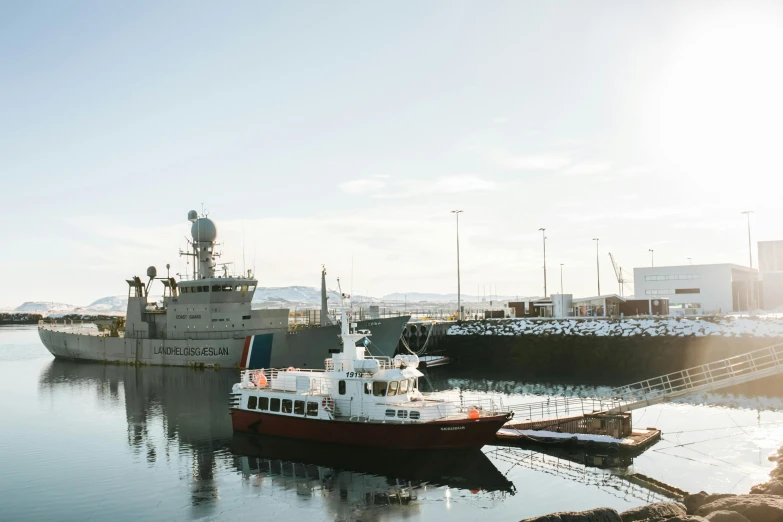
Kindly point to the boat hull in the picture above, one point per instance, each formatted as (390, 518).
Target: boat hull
(305, 348)
(446, 434)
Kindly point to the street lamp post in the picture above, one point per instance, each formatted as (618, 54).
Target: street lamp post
(562, 308)
(597, 268)
(652, 256)
(543, 234)
(459, 293)
(750, 260)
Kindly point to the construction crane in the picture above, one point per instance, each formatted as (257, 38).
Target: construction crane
(622, 281)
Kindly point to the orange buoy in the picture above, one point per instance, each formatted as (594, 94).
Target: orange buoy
(474, 414)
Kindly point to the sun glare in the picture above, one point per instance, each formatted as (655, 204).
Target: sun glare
(718, 109)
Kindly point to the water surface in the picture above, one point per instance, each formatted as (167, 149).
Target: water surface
(92, 441)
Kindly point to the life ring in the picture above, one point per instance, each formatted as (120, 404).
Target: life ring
(259, 379)
(327, 403)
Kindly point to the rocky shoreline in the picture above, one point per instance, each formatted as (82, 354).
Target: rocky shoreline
(764, 503)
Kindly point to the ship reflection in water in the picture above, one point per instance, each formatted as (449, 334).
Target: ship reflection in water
(178, 418)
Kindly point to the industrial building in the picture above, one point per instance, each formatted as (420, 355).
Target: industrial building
(771, 273)
(700, 289)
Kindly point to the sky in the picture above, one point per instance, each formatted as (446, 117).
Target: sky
(344, 133)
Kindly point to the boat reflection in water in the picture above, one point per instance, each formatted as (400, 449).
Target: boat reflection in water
(175, 413)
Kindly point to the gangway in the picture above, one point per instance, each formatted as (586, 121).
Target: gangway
(611, 415)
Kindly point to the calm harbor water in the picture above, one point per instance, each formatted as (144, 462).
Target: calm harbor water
(92, 441)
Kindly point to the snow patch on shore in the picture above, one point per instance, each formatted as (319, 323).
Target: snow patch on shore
(729, 326)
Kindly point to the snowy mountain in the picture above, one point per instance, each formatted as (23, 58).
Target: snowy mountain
(41, 306)
(416, 297)
(300, 296)
(114, 303)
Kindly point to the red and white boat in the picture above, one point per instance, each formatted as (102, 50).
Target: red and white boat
(361, 400)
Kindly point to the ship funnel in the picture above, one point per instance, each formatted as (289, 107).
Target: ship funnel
(192, 216)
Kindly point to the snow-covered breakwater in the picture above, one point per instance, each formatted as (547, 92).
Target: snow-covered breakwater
(664, 326)
(602, 351)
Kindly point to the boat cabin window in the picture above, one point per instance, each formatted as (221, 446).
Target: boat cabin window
(287, 406)
(341, 387)
(251, 402)
(415, 415)
(263, 403)
(274, 405)
(183, 290)
(414, 384)
(367, 388)
(379, 388)
(402, 414)
(251, 288)
(227, 288)
(404, 386)
(312, 409)
(393, 385)
(216, 288)
(390, 413)
(298, 407)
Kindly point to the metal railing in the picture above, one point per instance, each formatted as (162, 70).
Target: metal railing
(734, 370)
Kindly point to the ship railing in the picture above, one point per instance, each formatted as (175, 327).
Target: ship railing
(286, 380)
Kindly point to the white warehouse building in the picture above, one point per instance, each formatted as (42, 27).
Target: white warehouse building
(698, 289)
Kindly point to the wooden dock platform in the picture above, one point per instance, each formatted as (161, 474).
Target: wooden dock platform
(635, 442)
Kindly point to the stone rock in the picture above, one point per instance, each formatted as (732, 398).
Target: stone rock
(686, 518)
(593, 515)
(756, 508)
(725, 516)
(656, 512)
(697, 500)
(773, 487)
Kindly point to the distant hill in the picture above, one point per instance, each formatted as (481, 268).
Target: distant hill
(416, 297)
(299, 296)
(42, 306)
(114, 303)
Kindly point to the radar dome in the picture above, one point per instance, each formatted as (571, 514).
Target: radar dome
(152, 272)
(192, 216)
(203, 230)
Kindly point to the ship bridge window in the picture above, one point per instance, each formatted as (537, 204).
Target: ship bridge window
(379, 388)
(263, 403)
(274, 405)
(251, 402)
(287, 405)
(404, 386)
(367, 388)
(298, 407)
(312, 409)
(341, 387)
(393, 386)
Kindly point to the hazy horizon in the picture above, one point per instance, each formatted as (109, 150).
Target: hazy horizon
(344, 134)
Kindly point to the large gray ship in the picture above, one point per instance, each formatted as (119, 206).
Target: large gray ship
(208, 320)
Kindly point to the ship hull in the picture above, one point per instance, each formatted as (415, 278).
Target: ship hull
(305, 348)
(447, 434)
